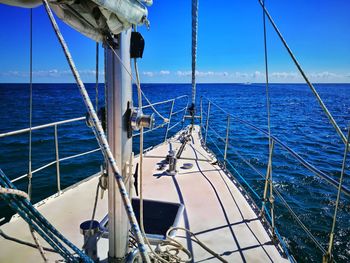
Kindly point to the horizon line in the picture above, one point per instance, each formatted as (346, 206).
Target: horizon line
(189, 83)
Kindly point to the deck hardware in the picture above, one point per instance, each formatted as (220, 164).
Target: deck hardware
(101, 115)
(90, 230)
(137, 45)
(187, 166)
(103, 181)
(171, 159)
(138, 120)
(183, 145)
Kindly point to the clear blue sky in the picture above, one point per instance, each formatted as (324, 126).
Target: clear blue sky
(230, 43)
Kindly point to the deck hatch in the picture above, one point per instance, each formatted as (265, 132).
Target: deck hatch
(158, 216)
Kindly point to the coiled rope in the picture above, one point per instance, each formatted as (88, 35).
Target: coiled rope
(195, 238)
(101, 137)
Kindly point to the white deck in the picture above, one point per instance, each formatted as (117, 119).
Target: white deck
(215, 209)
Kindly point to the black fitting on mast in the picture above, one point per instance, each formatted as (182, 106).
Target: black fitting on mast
(191, 111)
(137, 45)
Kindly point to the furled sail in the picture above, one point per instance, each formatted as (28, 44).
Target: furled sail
(95, 19)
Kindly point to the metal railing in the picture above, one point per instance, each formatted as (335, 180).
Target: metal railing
(57, 161)
(268, 180)
(170, 115)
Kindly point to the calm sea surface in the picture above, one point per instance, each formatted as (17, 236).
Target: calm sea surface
(296, 119)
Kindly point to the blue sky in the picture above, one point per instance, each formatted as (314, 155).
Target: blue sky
(230, 43)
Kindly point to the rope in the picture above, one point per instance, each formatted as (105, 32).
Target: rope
(139, 94)
(38, 245)
(192, 235)
(4, 235)
(323, 106)
(165, 257)
(10, 191)
(36, 221)
(331, 238)
(96, 85)
(101, 137)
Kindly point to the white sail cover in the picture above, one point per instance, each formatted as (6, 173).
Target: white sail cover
(94, 18)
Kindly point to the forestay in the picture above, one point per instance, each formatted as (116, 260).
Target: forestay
(95, 19)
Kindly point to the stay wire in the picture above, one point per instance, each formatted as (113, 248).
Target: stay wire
(267, 78)
(331, 238)
(97, 69)
(320, 101)
(32, 232)
(30, 104)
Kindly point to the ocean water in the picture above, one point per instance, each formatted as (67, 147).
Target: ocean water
(296, 119)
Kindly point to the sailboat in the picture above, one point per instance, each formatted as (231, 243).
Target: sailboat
(174, 202)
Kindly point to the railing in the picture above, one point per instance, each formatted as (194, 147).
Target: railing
(268, 177)
(56, 125)
(170, 115)
(57, 160)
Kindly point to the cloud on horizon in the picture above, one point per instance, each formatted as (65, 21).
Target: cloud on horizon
(164, 75)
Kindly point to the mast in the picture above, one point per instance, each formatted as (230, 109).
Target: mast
(119, 101)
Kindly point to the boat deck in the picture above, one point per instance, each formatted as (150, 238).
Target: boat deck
(217, 210)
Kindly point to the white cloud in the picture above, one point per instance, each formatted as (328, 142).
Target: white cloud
(148, 73)
(164, 72)
(182, 76)
(183, 73)
(240, 75)
(152, 74)
(284, 75)
(202, 74)
(324, 75)
(53, 73)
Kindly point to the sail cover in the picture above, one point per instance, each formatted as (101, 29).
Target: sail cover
(94, 18)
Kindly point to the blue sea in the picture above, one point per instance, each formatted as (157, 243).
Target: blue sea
(296, 119)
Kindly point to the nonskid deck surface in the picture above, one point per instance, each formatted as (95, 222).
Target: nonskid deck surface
(215, 210)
